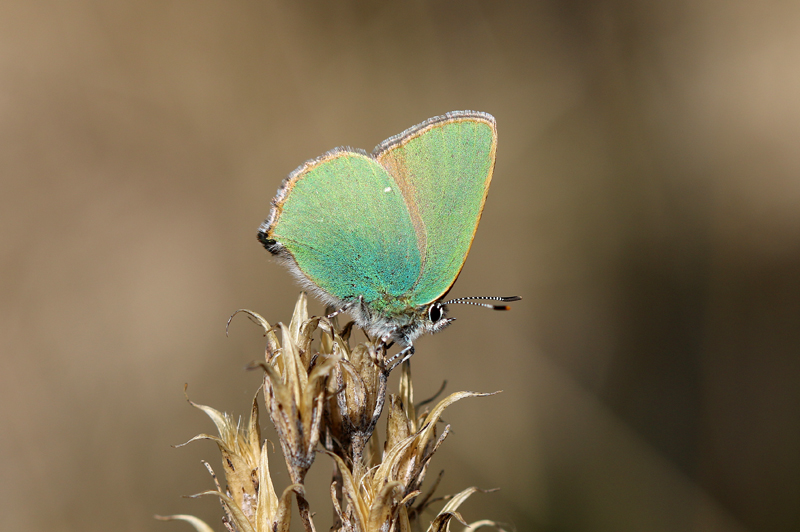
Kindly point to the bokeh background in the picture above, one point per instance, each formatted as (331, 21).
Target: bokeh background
(646, 205)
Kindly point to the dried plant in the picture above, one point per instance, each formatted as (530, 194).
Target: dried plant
(321, 393)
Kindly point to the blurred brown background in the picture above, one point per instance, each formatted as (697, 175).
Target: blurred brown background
(645, 204)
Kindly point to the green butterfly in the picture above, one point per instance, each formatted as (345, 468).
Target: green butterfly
(385, 235)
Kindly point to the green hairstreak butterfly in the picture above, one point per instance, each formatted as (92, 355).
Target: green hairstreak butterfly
(385, 235)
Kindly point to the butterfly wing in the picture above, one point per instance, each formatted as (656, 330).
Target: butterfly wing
(443, 168)
(341, 221)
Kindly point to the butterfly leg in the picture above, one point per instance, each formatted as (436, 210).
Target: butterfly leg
(400, 357)
(337, 312)
(345, 307)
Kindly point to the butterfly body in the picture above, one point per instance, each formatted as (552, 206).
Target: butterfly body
(385, 235)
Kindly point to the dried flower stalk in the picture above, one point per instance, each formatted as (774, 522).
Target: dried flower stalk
(326, 394)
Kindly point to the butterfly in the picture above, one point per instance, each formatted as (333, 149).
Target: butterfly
(385, 235)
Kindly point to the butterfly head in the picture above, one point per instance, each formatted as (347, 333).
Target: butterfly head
(429, 319)
(401, 325)
(412, 322)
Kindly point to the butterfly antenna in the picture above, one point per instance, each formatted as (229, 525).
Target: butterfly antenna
(467, 301)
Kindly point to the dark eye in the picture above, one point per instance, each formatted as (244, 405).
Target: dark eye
(435, 312)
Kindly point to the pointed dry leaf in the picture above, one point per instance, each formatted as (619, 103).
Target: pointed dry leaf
(432, 418)
(219, 419)
(453, 504)
(254, 427)
(267, 507)
(406, 393)
(197, 523)
(236, 513)
(472, 527)
(350, 488)
(403, 523)
(215, 439)
(269, 332)
(442, 521)
(299, 316)
(383, 505)
(398, 426)
(391, 459)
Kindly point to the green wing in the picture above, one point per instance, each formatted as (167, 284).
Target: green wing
(443, 168)
(345, 224)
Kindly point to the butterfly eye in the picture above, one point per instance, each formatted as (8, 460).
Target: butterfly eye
(435, 312)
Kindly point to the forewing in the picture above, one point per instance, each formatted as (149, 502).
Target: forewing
(343, 221)
(443, 168)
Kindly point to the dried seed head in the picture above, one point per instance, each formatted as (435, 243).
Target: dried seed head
(325, 391)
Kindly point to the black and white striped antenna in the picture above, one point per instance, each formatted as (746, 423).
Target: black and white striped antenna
(468, 301)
